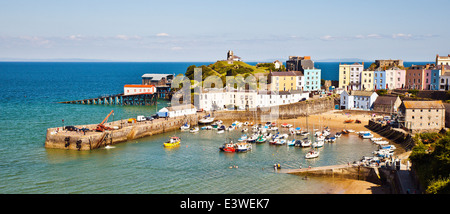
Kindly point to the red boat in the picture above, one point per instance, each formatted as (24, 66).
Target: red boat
(228, 147)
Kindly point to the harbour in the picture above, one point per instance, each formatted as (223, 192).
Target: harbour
(143, 165)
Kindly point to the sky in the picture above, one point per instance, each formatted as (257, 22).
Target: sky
(199, 31)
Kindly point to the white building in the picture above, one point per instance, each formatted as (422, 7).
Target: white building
(360, 100)
(277, 64)
(138, 89)
(179, 110)
(444, 82)
(219, 99)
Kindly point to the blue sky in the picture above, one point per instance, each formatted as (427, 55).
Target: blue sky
(205, 30)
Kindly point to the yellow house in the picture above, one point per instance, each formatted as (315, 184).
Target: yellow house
(367, 80)
(344, 75)
(284, 81)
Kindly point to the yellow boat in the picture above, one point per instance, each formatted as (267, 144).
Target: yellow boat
(174, 141)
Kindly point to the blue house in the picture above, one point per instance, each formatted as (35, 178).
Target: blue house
(379, 79)
(312, 79)
(435, 74)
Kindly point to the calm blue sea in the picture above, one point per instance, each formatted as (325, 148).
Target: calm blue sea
(28, 106)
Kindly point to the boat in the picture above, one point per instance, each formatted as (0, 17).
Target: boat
(367, 135)
(172, 142)
(260, 139)
(185, 126)
(252, 139)
(348, 121)
(304, 133)
(221, 128)
(230, 128)
(358, 121)
(332, 139)
(291, 142)
(350, 130)
(298, 143)
(318, 144)
(268, 136)
(206, 119)
(228, 147)
(376, 139)
(380, 142)
(285, 125)
(243, 147)
(322, 138)
(194, 130)
(312, 154)
(220, 131)
(392, 147)
(280, 142)
(306, 143)
(244, 130)
(274, 128)
(344, 131)
(242, 138)
(206, 128)
(338, 134)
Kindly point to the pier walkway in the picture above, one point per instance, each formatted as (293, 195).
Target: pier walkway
(119, 99)
(314, 169)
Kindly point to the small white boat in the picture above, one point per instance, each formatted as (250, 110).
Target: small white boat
(242, 138)
(306, 143)
(109, 147)
(350, 130)
(252, 139)
(381, 142)
(206, 128)
(220, 132)
(304, 133)
(291, 142)
(280, 142)
(185, 126)
(194, 130)
(206, 120)
(312, 154)
(274, 128)
(367, 135)
(318, 144)
(376, 138)
(230, 128)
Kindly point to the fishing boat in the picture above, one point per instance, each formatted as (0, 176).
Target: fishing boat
(285, 125)
(312, 154)
(348, 121)
(172, 142)
(243, 147)
(220, 131)
(206, 119)
(242, 138)
(194, 129)
(185, 126)
(291, 142)
(228, 147)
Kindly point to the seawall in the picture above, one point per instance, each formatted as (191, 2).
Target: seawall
(399, 136)
(93, 140)
(58, 139)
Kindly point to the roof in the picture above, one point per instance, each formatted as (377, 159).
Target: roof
(286, 73)
(156, 76)
(423, 104)
(361, 93)
(385, 100)
(139, 86)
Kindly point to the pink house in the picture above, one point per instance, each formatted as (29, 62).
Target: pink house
(399, 79)
(418, 77)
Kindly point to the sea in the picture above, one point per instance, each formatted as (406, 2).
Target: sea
(29, 96)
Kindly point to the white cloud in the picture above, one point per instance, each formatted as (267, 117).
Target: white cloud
(402, 36)
(328, 38)
(162, 34)
(176, 48)
(75, 37)
(125, 37)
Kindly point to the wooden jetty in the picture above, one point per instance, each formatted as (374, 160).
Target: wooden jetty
(119, 99)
